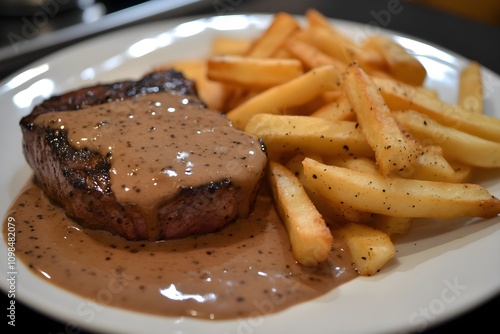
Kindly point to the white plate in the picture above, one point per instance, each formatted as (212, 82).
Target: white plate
(441, 269)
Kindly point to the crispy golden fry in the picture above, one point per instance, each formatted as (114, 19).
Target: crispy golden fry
(282, 26)
(393, 152)
(391, 226)
(225, 45)
(266, 45)
(427, 91)
(310, 237)
(333, 212)
(398, 197)
(463, 172)
(328, 43)
(320, 30)
(401, 65)
(317, 19)
(387, 224)
(309, 107)
(470, 89)
(212, 93)
(339, 109)
(370, 248)
(290, 94)
(253, 72)
(284, 135)
(399, 96)
(311, 56)
(362, 164)
(456, 145)
(431, 165)
(283, 54)
(331, 96)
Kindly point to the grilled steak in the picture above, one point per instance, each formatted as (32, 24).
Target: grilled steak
(143, 159)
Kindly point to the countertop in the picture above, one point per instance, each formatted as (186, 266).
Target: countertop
(471, 39)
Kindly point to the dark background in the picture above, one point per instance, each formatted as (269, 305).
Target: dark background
(463, 33)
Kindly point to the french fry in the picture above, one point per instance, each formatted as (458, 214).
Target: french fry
(253, 72)
(387, 224)
(391, 226)
(401, 65)
(282, 53)
(333, 212)
(284, 135)
(309, 107)
(265, 46)
(431, 165)
(428, 163)
(320, 31)
(463, 172)
(212, 93)
(370, 248)
(470, 88)
(290, 94)
(225, 45)
(316, 19)
(334, 45)
(456, 145)
(332, 95)
(311, 56)
(310, 237)
(399, 197)
(282, 26)
(399, 96)
(393, 152)
(363, 164)
(339, 109)
(427, 91)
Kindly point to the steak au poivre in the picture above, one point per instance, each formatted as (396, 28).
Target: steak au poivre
(145, 160)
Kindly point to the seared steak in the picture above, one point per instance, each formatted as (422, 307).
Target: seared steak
(77, 173)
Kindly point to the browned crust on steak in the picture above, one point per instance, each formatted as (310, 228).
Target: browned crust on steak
(79, 180)
(172, 81)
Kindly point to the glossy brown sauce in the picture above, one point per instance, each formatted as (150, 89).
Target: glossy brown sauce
(160, 142)
(246, 269)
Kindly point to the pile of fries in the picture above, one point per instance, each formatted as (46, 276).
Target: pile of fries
(357, 146)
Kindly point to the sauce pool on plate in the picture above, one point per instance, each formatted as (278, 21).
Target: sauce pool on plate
(246, 269)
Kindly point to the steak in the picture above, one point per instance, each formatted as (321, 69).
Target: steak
(205, 172)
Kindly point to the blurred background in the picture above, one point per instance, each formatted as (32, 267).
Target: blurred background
(487, 11)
